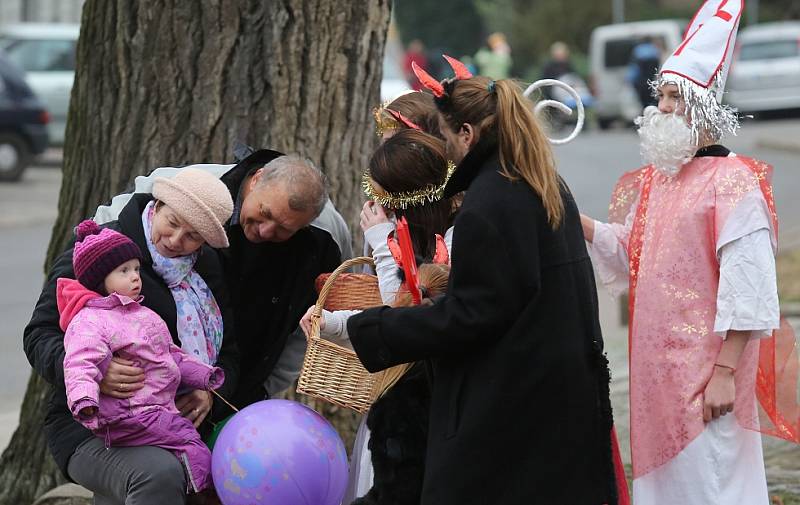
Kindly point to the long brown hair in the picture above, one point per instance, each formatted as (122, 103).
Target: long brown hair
(408, 161)
(499, 111)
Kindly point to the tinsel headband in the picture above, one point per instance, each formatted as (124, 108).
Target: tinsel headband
(404, 199)
(707, 117)
(394, 121)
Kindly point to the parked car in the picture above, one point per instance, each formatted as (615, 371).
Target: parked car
(610, 49)
(46, 52)
(23, 122)
(765, 74)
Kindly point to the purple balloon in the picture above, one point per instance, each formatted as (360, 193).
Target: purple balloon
(279, 452)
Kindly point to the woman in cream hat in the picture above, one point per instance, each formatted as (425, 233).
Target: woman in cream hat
(176, 228)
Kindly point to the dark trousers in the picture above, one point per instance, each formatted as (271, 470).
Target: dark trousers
(128, 475)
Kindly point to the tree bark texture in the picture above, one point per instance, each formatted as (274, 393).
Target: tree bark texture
(169, 83)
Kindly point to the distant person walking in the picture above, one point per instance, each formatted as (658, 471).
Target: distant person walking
(414, 54)
(559, 62)
(644, 65)
(557, 66)
(494, 61)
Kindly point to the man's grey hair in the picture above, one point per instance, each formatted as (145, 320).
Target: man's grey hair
(305, 183)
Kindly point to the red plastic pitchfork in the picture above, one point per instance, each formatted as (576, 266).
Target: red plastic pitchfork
(409, 261)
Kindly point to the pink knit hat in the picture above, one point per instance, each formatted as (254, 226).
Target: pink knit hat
(98, 252)
(201, 200)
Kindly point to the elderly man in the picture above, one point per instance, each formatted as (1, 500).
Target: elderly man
(284, 233)
(693, 239)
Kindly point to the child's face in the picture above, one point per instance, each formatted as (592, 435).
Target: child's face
(670, 100)
(125, 280)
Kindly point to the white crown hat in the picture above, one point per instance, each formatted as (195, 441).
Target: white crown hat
(699, 66)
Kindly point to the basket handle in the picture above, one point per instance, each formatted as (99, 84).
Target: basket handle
(326, 288)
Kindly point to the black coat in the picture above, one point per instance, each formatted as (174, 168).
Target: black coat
(44, 341)
(271, 286)
(520, 409)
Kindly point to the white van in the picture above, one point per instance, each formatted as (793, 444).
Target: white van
(610, 51)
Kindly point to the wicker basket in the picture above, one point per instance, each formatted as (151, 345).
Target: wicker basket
(334, 373)
(350, 291)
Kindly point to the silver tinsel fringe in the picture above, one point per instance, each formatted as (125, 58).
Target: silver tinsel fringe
(707, 117)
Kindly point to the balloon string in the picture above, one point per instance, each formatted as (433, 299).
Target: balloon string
(224, 400)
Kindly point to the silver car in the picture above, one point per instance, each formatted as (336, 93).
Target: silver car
(765, 75)
(46, 52)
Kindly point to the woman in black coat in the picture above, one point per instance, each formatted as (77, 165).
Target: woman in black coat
(131, 475)
(520, 409)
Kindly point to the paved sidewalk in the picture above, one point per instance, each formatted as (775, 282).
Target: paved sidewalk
(779, 135)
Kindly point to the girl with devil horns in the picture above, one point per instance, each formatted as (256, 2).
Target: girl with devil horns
(520, 410)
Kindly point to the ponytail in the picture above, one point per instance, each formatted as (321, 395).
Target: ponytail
(524, 149)
(498, 108)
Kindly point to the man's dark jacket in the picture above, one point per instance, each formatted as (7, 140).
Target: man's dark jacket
(520, 409)
(271, 286)
(44, 341)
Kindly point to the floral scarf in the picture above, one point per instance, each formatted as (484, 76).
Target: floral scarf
(199, 318)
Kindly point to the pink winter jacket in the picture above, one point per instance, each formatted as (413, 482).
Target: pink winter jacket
(99, 328)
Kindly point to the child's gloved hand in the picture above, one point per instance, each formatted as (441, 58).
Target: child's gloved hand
(87, 412)
(305, 322)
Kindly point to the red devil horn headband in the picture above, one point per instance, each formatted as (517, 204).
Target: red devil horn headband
(402, 119)
(459, 69)
(429, 82)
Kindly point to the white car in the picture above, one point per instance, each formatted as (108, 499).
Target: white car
(47, 54)
(765, 74)
(610, 50)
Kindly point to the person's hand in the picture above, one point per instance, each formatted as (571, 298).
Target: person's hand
(305, 322)
(371, 214)
(122, 379)
(195, 405)
(87, 412)
(719, 394)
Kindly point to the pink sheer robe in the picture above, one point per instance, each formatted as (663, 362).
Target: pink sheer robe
(670, 242)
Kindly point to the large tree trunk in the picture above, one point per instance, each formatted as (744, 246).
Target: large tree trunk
(170, 83)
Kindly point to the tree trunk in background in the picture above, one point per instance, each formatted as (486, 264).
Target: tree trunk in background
(169, 83)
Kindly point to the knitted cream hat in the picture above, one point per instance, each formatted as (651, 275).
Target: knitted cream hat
(201, 200)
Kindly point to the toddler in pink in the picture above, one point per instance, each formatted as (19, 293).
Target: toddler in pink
(103, 317)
